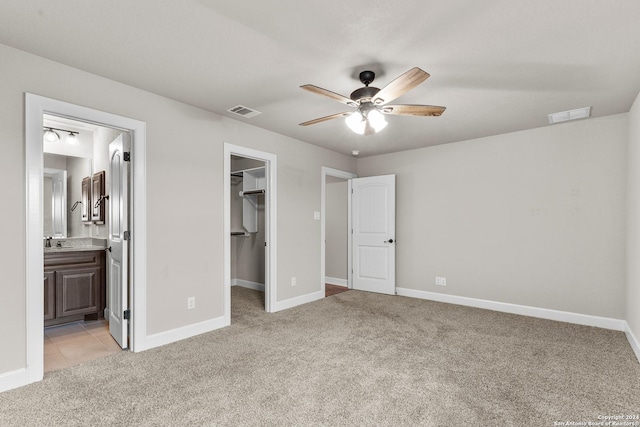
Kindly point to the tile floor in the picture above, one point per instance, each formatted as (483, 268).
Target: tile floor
(75, 343)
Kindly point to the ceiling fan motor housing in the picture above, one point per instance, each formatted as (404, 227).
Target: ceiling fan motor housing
(364, 93)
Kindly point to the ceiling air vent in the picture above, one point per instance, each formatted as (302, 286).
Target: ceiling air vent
(243, 111)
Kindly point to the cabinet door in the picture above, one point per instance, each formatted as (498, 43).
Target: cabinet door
(78, 291)
(86, 199)
(49, 295)
(97, 202)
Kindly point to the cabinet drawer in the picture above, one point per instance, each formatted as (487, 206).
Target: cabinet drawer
(67, 259)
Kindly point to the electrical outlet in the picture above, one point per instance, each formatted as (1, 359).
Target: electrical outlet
(293, 281)
(191, 303)
(441, 281)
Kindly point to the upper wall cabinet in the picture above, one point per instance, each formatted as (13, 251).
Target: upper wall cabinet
(97, 197)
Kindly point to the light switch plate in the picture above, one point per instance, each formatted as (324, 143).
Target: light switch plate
(316, 216)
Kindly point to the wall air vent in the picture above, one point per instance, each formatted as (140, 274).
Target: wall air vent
(243, 111)
(564, 116)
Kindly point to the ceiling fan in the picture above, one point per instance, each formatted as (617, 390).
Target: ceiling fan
(371, 103)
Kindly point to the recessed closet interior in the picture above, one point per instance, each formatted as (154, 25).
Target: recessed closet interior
(247, 206)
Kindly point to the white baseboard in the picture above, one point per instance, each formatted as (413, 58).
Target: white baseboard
(336, 281)
(173, 335)
(633, 341)
(13, 379)
(294, 302)
(248, 284)
(523, 310)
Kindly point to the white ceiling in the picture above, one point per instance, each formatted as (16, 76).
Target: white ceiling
(497, 65)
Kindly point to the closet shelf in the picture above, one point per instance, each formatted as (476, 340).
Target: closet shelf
(253, 186)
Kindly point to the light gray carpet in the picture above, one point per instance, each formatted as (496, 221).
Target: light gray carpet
(350, 359)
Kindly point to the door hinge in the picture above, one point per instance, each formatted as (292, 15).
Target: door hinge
(127, 235)
(126, 156)
(126, 315)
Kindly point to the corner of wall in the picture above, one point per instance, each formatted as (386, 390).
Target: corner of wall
(633, 228)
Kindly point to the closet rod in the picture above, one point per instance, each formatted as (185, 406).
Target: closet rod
(251, 192)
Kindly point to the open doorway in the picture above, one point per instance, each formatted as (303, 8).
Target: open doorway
(248, 233)
(249, 225)
(36, 107)
(335, 230)
(77, 223)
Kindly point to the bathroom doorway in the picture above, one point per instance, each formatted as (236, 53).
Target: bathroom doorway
(36, 108)
(82, 259)
(249, 223)
(77, 222)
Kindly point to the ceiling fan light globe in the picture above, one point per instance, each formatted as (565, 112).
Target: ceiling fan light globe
(376, 120)
(356, 122)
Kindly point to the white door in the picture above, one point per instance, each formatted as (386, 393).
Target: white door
(374, 227)
(118, 268)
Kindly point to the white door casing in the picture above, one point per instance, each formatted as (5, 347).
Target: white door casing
(373, 222)
(271, 225)
(118, 257)
(35, 107)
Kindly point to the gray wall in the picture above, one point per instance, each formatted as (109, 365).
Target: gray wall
(633, 222)
(336, 222)
(184, 163)
(534, 217)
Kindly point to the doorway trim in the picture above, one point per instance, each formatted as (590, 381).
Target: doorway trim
(35, 107)
(326, 171)
(271, 221)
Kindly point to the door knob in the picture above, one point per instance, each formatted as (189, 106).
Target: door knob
(389, 241)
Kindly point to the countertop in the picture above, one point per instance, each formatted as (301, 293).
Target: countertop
(75, 244)
(73, 249)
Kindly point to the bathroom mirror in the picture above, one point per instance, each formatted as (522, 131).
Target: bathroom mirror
(62, 195)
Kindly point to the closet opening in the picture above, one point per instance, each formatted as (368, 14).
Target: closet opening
(250, 231)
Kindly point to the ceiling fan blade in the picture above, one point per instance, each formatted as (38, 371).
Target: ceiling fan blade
(329, 94)
(400, 86)
(324, 119)
(413, 110)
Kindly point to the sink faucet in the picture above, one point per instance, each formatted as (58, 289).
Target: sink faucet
(47, 243)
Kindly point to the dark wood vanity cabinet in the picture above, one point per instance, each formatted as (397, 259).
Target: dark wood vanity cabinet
(74, 286)
(49, 295)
